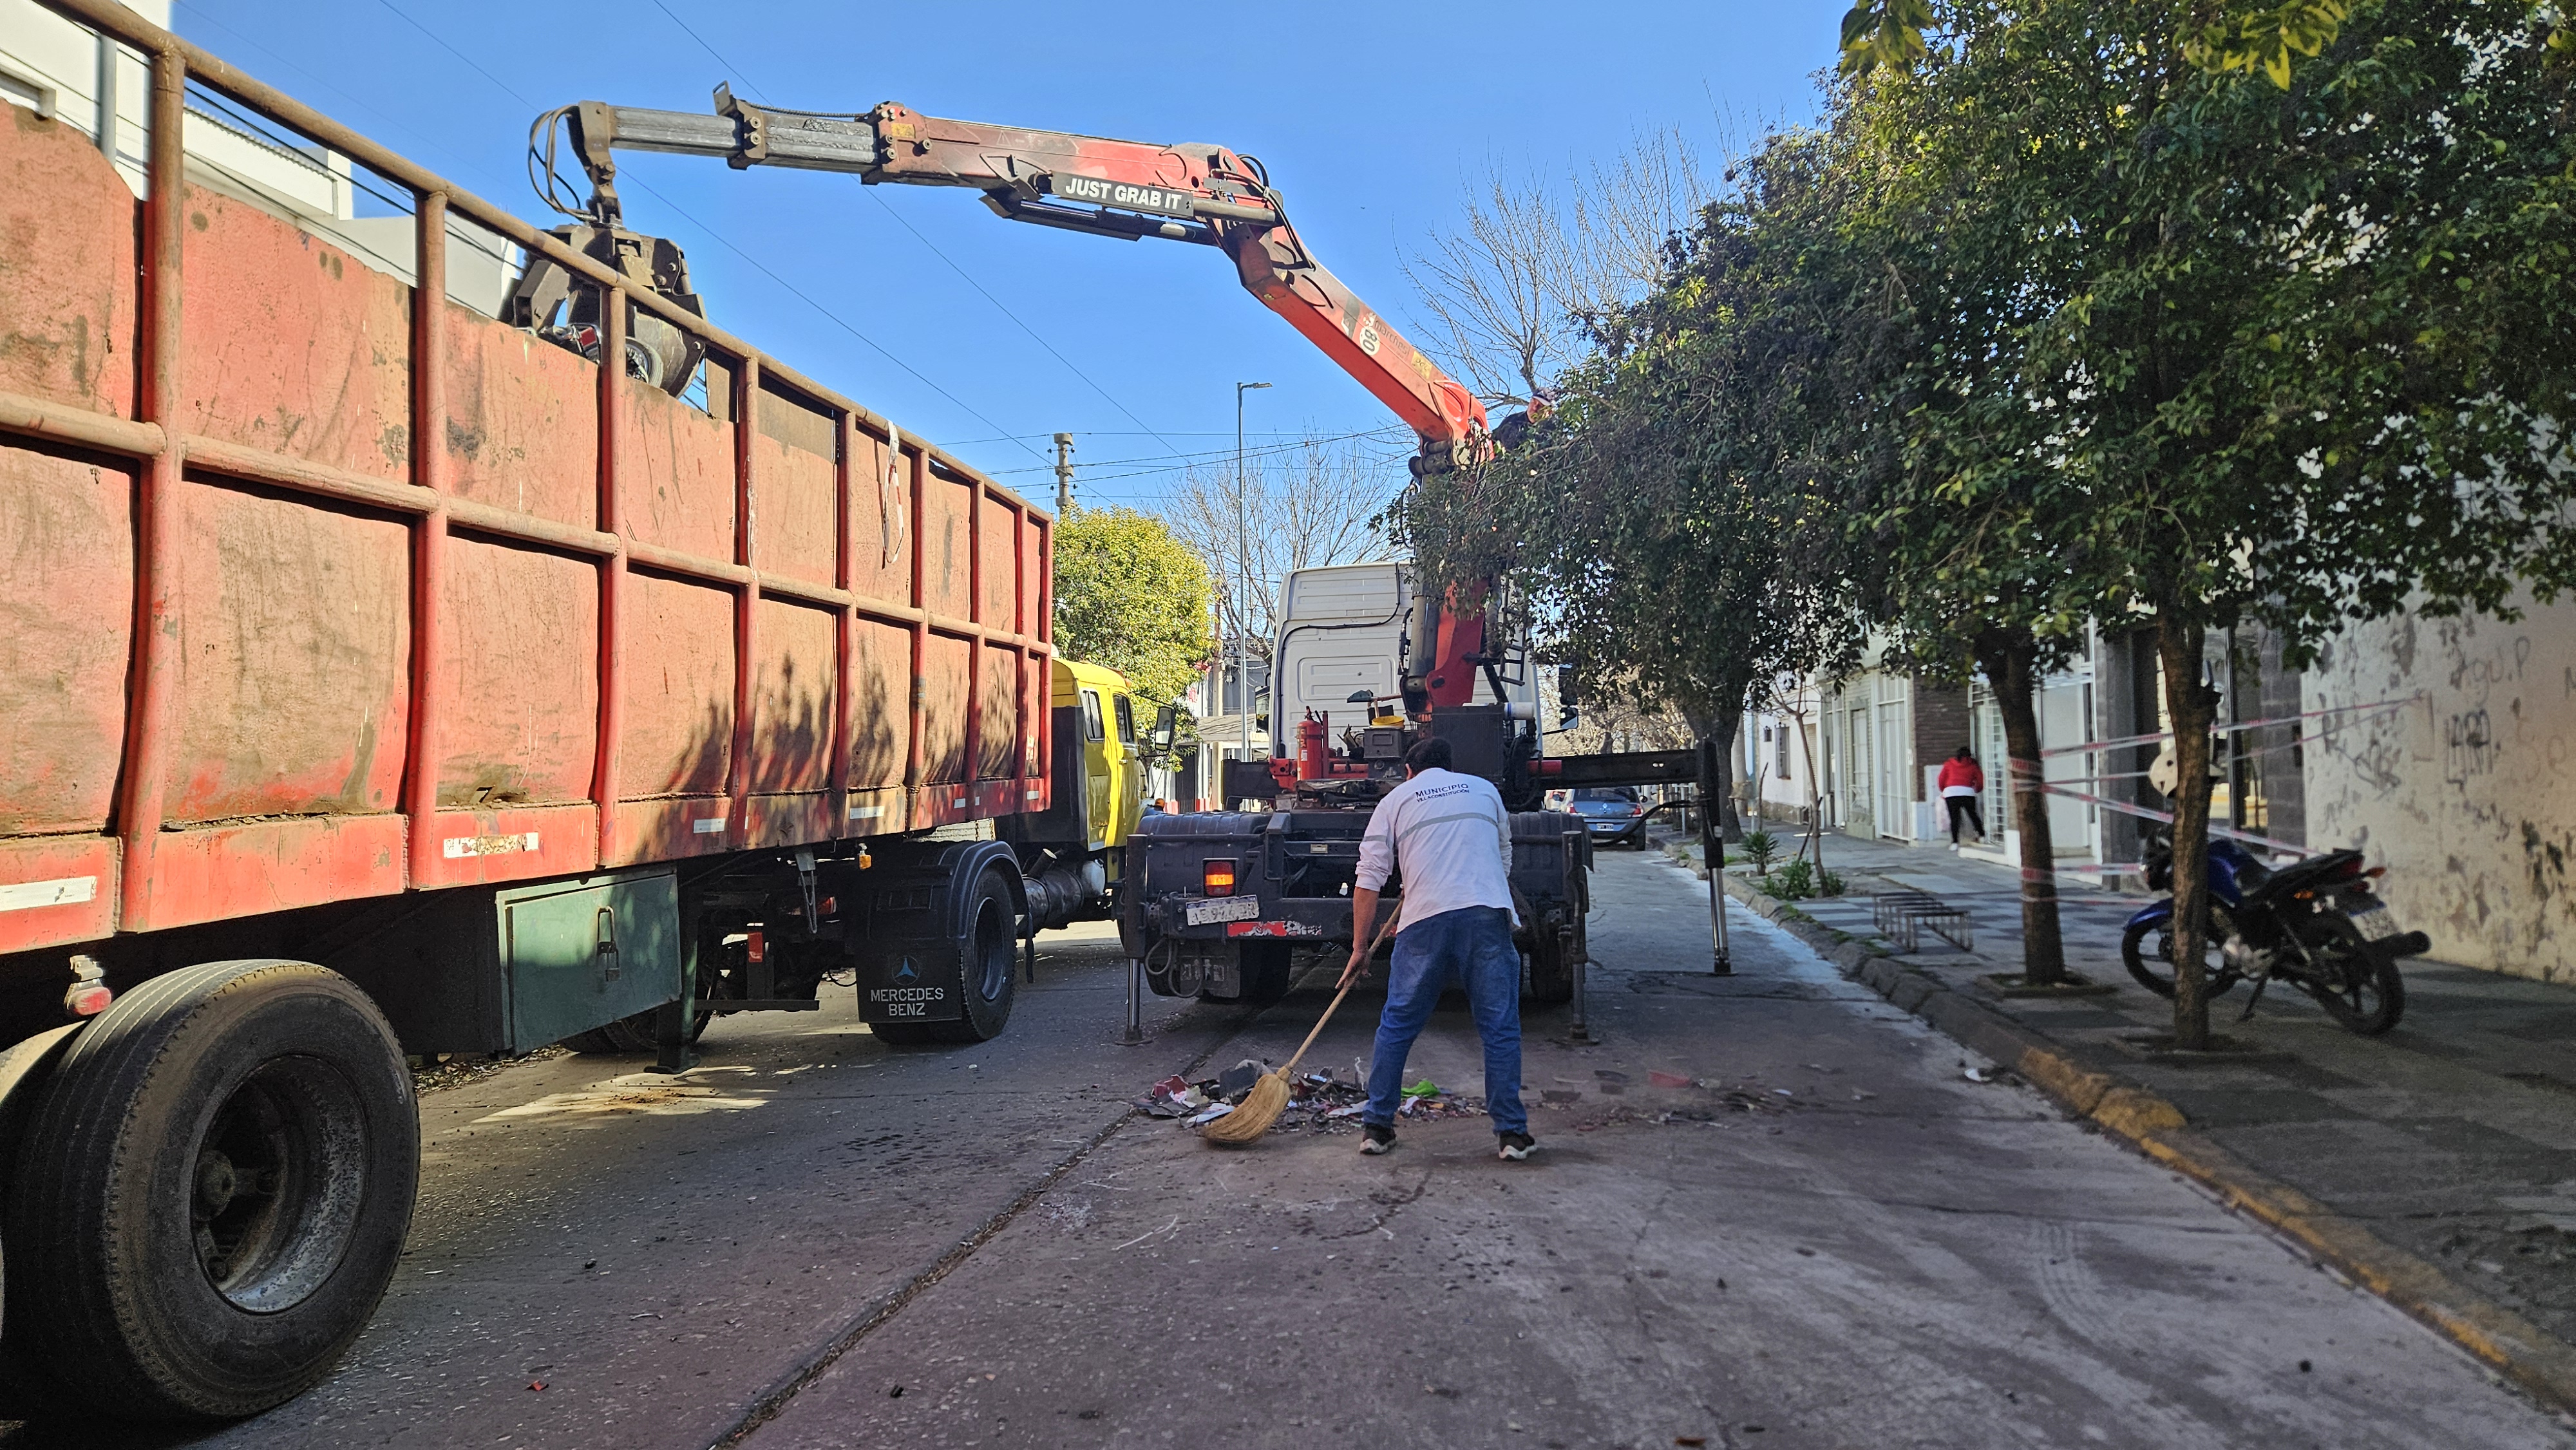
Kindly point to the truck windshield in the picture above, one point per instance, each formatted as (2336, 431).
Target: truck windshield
(1091, 716)
(1126, 710)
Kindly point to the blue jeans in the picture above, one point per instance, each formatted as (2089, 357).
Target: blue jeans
(1471, 947)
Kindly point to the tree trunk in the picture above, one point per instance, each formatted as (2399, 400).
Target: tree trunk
(1722, 805)
(2193, 705)
(1723, 725)
(2010, 662)
(1815, 801)
(1727, 725)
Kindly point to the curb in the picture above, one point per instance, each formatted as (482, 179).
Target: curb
(2518, 1349)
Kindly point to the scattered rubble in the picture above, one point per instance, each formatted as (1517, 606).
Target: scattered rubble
(1322, 1101)
(440, 1071)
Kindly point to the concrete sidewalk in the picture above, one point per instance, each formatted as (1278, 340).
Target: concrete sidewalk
(2453, 1137)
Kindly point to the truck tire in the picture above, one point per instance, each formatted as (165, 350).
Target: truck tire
(624, 1037)
(987, 969)
(642, 1031)
(1551, 966)
(628, 1036)
(229, 1156)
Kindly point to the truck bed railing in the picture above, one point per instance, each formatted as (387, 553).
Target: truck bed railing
(155, 889)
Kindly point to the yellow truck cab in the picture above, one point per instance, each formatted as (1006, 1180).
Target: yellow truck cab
(1113, 768)
(1071, 852)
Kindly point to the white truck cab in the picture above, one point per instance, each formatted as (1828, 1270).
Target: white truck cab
(1342, 629)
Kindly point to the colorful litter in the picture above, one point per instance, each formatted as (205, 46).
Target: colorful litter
(1321, 1101)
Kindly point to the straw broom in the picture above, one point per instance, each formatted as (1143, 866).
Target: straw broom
(1269, 1097)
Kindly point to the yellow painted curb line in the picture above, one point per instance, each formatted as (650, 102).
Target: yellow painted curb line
(2519, 1350)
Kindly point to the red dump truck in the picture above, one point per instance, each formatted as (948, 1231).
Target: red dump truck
(377, 678)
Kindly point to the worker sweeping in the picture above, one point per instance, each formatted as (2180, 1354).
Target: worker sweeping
(1453, 839)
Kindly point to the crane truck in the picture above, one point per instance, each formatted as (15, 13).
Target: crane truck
(1214, 904)
(381, 680)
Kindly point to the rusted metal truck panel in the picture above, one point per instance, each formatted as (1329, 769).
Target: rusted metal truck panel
(378, 679)
(428, 602)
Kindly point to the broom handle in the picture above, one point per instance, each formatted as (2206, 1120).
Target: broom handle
(1374, 943)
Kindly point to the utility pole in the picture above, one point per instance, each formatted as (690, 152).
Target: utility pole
(1063, 474)
(1243, 563)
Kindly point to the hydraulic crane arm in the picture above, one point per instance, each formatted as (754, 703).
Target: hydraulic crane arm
(1125, 189)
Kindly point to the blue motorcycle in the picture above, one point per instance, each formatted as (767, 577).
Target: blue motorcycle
(2315, 923)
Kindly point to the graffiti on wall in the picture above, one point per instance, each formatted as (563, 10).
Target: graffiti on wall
(2468, 797)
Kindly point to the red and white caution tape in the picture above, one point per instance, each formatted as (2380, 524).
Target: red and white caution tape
(2357, 712)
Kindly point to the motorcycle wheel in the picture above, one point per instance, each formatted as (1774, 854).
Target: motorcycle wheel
(2355, 982)
(2155, 971)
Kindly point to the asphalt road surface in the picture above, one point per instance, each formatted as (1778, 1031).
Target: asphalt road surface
(1830, 1237)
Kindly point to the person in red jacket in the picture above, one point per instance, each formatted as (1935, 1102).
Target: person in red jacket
(1963, 785)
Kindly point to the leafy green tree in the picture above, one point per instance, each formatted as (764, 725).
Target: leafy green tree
(1128, 595)
(2243, 35)
(1923, 290)
(2277, 353)
(1662, 520)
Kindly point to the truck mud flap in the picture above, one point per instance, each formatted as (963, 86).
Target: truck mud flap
(910, 957)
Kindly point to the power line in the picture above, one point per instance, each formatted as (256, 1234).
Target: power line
(702, 41)
(1087, 379)
(843, 323)
(1116, 433)
(969, 277)
(1214, 455)
(1147, 473)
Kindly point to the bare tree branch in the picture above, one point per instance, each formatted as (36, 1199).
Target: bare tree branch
(1312, 506)
(1510, 287)
(1495, 287)
(1625, 215)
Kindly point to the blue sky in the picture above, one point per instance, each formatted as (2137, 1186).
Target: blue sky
(1369, 117)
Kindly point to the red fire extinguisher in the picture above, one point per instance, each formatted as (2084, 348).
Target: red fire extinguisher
(1310, 747)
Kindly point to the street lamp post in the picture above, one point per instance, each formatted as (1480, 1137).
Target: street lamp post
(1243, 574)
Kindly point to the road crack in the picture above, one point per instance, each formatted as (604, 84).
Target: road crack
(770, 1403)
(1390, 1204)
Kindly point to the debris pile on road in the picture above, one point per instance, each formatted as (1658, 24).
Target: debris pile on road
(1320, 1101)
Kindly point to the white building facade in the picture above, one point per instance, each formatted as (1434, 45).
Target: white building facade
(2443, 749)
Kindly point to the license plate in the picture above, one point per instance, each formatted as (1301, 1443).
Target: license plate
(2376, 923)
(1222, 908)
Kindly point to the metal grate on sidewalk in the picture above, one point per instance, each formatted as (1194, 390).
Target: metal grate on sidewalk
(1902, 917)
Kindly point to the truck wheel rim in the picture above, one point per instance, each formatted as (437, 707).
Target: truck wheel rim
(279, 1180)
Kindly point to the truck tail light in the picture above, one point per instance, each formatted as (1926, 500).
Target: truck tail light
(1216, 878)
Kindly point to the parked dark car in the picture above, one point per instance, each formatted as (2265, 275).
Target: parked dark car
(1611, 814)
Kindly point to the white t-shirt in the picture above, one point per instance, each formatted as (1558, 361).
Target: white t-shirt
(1454, 839)
(1960, 790)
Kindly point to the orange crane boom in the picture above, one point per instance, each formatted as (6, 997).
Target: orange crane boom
(1125, 189)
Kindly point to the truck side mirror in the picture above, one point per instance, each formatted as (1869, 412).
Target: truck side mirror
(1167, 728)
(1568, 696)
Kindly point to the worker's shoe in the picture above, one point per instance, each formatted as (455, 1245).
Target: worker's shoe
(1376, 1138)
(1515, 1146)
